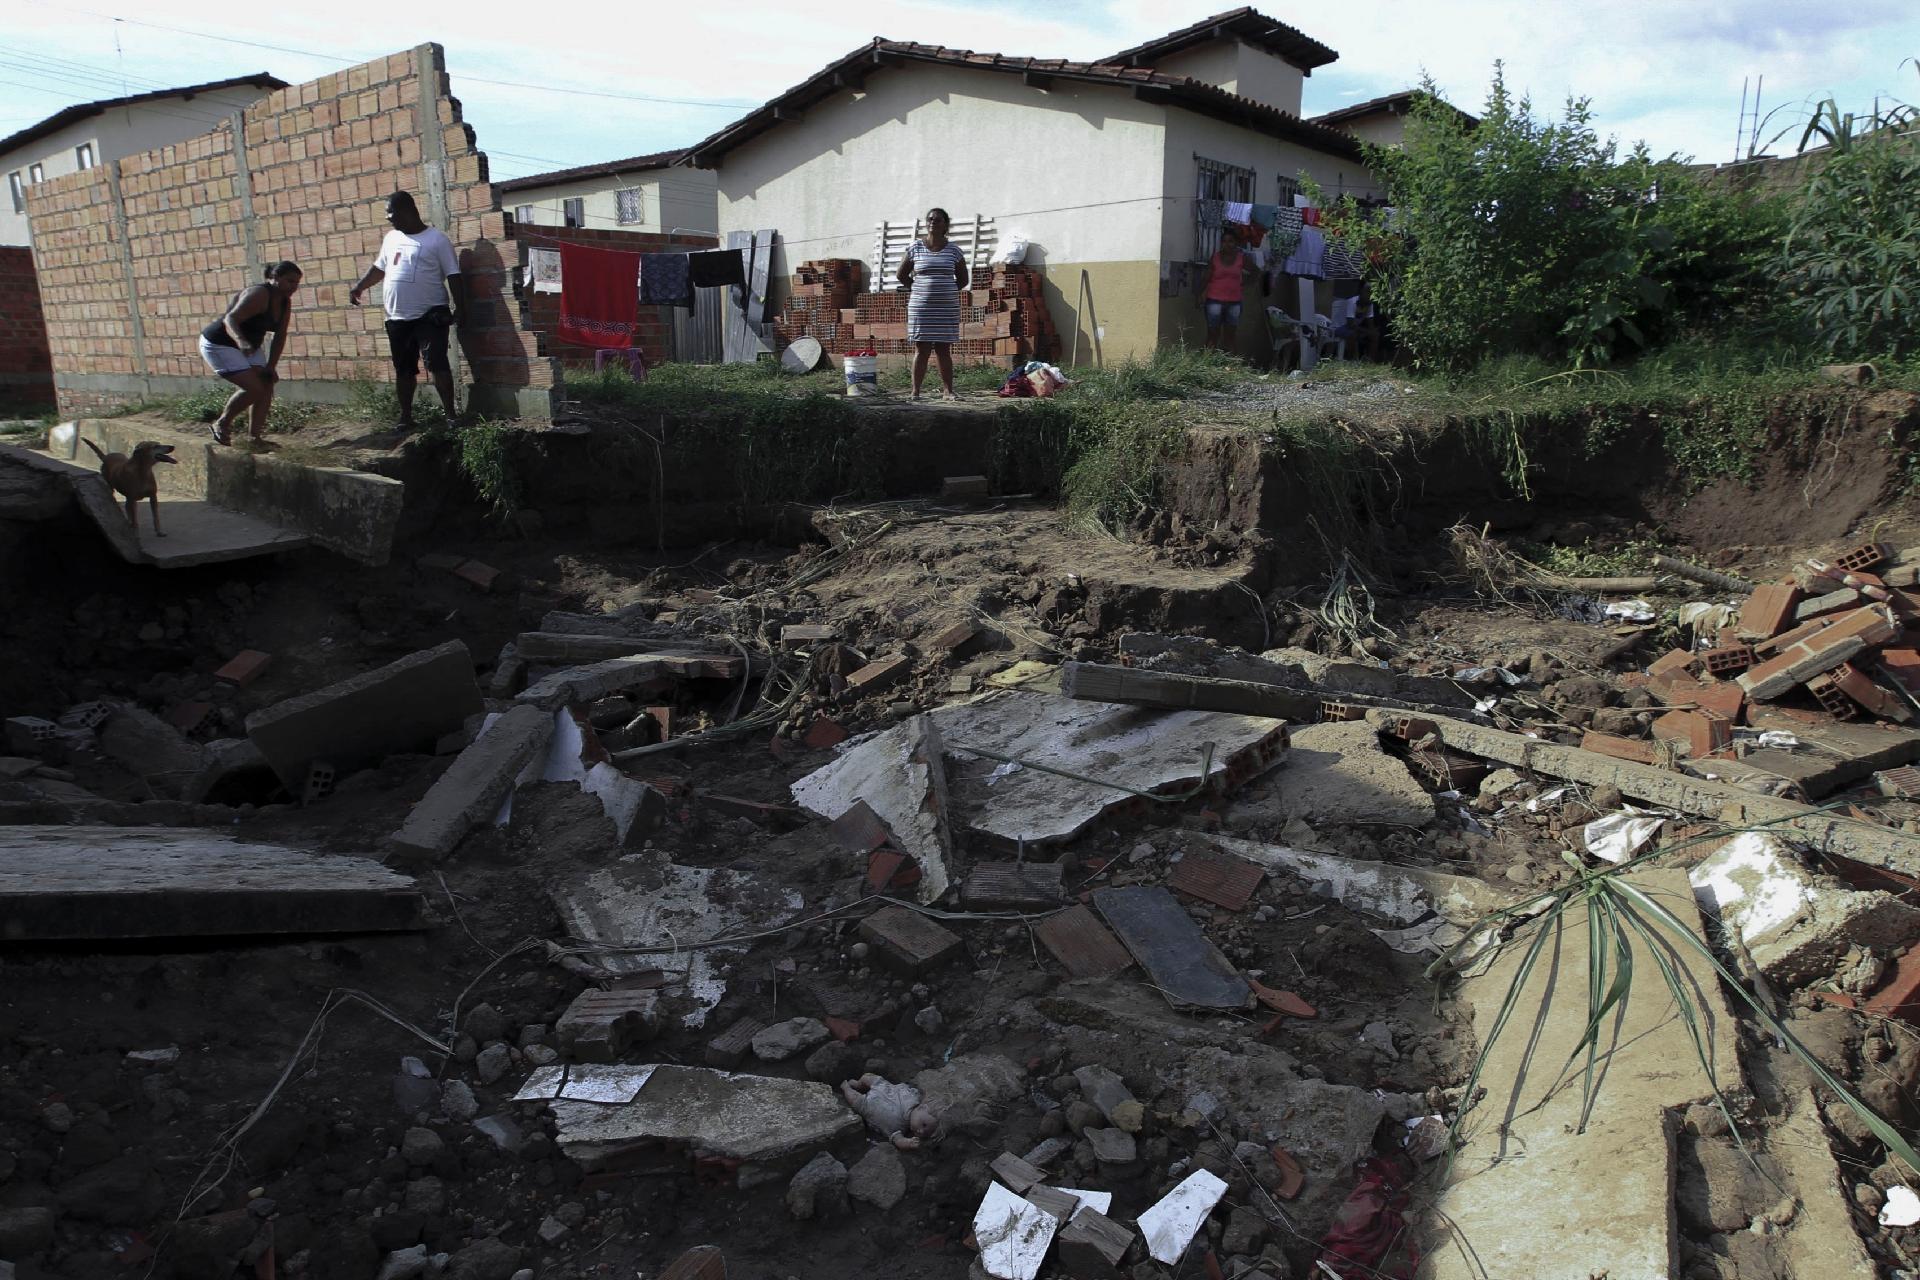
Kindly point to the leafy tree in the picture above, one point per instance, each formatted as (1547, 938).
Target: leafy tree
(1851, 259)
(1526, 236)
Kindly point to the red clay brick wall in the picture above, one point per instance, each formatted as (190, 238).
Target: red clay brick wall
(320, 158)
(26, 371)
(541, 311)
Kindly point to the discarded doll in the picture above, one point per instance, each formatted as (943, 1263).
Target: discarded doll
(894, 1111)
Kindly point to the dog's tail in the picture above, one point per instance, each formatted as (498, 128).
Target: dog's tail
(96, 448)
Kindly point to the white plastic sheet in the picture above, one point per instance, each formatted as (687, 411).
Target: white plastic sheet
(1618, 836)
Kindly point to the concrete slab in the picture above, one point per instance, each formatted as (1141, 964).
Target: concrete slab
(197, 532)
(151, 882)
(756, 1119)
(641, 900)
(1834, 754)
(470, 791)
(900, 775)
(406, 705)
(576, 685)
(1531, 1195)
(1144, 749)
(1798, 926)
(1339, 774)
(1821, 1241)
(352, 512)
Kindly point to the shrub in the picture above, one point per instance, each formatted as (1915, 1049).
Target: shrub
(1851, 258)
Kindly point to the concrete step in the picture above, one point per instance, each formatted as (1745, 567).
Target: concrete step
(231, 503)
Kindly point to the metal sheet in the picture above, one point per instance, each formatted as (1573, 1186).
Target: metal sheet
(1185, 967)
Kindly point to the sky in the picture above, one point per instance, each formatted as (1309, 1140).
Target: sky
(623, 79)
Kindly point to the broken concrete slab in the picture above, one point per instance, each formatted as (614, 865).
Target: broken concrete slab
(1822, 830)
(576, 685)
(1337, 773)
(641, 901)
(1798, 926)
(1832, 755)
(153, 750)
(1153, 751)
(1401, 894)
(1013, 1234)
(404, 706)
(753, 1119)
(900, 776)
(152, 882)
(1540, 1215)
(600, 1026)
(551, 648)
(470, 791)
(1182, 964)
(631, 805)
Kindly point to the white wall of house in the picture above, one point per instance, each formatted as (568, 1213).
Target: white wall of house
(1191, 136)
(670, 199)
(1382, 128)
(118, 132)
(1240, 68)
(1075, 169)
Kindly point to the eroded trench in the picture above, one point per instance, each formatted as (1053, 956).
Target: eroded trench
(110, 1161)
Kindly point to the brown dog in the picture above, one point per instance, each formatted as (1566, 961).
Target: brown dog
(132, 477)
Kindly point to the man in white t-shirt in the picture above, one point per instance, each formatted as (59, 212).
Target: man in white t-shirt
(419, 268)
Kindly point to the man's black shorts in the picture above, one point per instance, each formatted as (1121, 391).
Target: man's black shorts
(408, 340)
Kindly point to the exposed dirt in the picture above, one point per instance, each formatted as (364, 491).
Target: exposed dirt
(334, 1175)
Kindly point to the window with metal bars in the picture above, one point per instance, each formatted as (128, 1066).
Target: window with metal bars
(1218, 183)
(626, 204)
(1284, 190)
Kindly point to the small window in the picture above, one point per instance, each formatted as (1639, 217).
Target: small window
(36, 174)
(1285, 189)
(1219, 183)
(574, 211)
(523, 213)
(626, 204)
(83, 156)
(17, 191)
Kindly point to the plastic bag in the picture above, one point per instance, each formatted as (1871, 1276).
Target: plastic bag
(1012, 251)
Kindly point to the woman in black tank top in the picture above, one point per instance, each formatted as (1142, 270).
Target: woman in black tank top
(231, 347)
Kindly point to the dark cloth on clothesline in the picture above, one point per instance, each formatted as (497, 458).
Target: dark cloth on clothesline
(666, 279)
(717, 267)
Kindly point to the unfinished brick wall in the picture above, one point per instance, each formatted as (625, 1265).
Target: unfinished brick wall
(137, 256)
(26, 370)
(652, 332)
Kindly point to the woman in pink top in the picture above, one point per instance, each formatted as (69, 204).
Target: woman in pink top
(1222, 290)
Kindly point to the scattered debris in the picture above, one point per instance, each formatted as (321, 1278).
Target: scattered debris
(1172, 1220)
(1181, 963)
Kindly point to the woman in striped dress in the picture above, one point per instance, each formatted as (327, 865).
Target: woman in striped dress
(937, 272)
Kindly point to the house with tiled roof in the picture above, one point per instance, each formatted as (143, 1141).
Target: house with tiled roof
(96, 133)
(1382, 121)
(1110, 170)
(653, 193)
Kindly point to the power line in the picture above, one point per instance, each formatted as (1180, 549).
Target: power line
(345, 62)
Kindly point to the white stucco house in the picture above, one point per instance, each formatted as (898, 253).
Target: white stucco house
(1382, 122)
(652, 193)
(1103, 167)
(95, 133)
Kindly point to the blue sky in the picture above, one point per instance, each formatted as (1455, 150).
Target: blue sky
(1667, 71)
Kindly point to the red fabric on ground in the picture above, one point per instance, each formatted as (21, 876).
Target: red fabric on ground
(599, 296)
(1371, 1224)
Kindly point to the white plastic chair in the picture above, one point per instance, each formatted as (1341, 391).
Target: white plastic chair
(1289, 338)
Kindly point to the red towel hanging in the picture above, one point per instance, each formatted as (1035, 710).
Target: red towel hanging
(599, 296)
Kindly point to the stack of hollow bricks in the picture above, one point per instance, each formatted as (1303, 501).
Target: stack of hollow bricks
(652, 328)
(1840, 632)
(1002, 316)
(26, 369)
(136, 256)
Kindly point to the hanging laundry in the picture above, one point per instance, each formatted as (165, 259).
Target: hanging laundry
(717, 267)
(666, 278)
(1263, 215)
(598, 303)
(1285, 236)
(1309, 257)
(543, 270)
(1310, 216)
(1344, 262)
(1238, 212)
(1212, 212)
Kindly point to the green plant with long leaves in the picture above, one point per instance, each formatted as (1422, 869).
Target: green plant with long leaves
(1621, 920)
(1851, 258)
